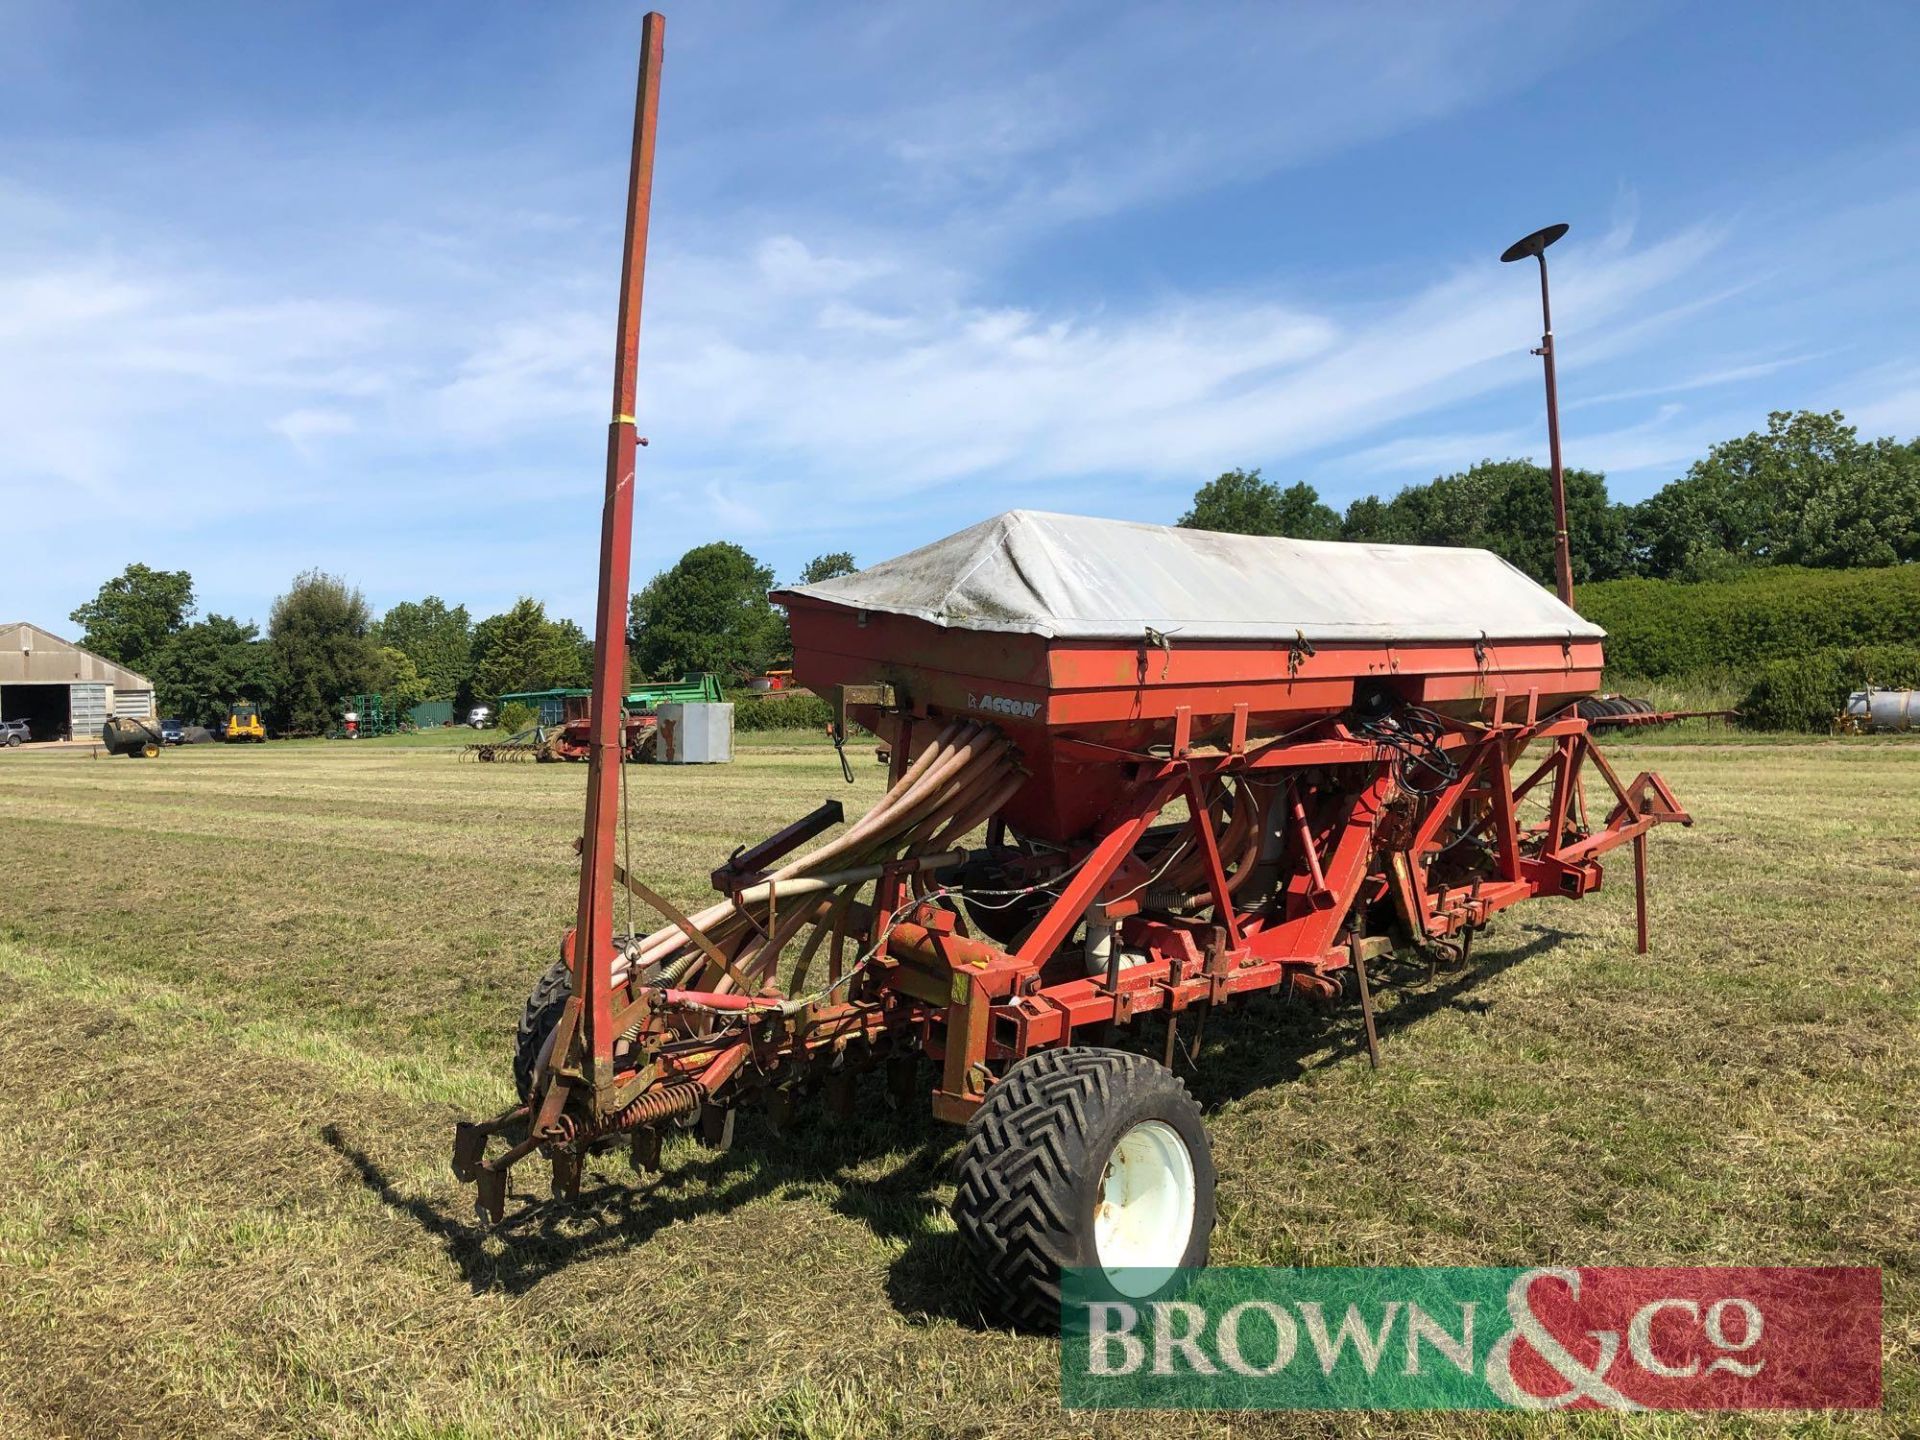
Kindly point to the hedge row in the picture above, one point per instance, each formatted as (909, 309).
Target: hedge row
(1807, 691)
(1660, 628)
(794, 712)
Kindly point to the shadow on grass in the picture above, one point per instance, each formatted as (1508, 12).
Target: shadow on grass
(541, 1235)
(1250, 1047)
(1267, 1040)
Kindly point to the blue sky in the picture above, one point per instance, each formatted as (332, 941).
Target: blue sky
(298, 285)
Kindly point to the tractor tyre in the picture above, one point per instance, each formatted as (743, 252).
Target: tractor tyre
(544, 1006)
(1082, 1157)
(150, 750)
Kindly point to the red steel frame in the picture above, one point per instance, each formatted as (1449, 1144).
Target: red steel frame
(1007, 1006)
(1080, 747)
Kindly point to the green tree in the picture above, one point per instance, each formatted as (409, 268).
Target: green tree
(437, 638)
(709, 612)
(397, 681)
(521, 649)
(1241, 503)
(1366, 519)
(322, 649)
(1807, 492)
(135, 614)
(1505, 506)
(569, 636)
(208, 665)
(830, 566)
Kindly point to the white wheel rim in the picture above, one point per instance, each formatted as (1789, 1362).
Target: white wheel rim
(1144, 1216)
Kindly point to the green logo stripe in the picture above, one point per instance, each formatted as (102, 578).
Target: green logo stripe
(1268, 1339)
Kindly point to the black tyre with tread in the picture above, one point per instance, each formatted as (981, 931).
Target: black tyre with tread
(544, 1004)
(1032, 1170)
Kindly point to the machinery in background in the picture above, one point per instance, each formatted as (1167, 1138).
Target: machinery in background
(564, 730)
(366, 716)
(133, 737)
(243, 723)
(1873, 711)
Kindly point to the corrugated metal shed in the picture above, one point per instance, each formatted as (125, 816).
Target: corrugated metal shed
(32, 656)
(61, 690)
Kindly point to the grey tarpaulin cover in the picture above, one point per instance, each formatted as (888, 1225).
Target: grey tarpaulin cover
(1075, 577)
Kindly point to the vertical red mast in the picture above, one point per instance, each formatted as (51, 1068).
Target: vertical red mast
(593, 933)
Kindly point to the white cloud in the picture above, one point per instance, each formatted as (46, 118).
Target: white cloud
(1707, 380)
(303, 427)
(525, 375)
(946, 389)
(788, 266)
(868, 312)
(1894, 406)
(1075, 112)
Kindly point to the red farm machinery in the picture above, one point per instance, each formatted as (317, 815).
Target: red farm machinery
(1136, 773)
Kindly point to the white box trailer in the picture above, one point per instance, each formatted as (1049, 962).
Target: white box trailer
(694, 734)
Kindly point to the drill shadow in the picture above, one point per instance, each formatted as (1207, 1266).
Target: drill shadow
(541, 1234)
(1247, 1048)
(1269, 1040)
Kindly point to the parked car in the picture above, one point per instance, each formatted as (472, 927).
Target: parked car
(14, 732)
(172, 732)
(480, 717)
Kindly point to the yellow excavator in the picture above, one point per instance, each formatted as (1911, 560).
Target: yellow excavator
(243, 722)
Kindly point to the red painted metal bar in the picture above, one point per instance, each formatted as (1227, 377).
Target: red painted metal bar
(1105, 858)
(1506, 824)
(1313, 929)
(1568, 751)
(594, 925)
(1200, 816)
(1640, 892)
(1304, 834)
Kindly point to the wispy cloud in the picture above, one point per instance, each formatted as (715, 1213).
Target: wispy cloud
(1707, 380)
(907, 269)
(1146, 104)
(1881, 400)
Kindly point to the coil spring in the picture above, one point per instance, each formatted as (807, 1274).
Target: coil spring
(665, 1103)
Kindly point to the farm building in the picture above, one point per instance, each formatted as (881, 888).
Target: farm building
(60, 690)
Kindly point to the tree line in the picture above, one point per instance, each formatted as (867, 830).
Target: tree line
(1808, 491)
(323, 643)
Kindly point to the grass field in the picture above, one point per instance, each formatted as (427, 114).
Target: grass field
(247, 991)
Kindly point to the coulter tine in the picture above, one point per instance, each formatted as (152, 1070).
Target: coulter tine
(469, 1147)
(716, 1127)
(903, 1079)
(839, 1092)
(490, 1194)
(566, 1174)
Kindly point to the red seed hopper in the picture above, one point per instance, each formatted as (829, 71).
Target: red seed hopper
(1085, 640)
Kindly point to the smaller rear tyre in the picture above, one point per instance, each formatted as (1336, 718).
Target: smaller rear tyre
(544, 1006)
(1083, 1158)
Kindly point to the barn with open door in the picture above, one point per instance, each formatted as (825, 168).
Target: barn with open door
(62, 691)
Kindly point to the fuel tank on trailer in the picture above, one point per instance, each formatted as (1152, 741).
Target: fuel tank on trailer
(1872, 709)
(1067, 626)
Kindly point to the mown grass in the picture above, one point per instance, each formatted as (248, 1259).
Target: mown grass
(248, 990)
